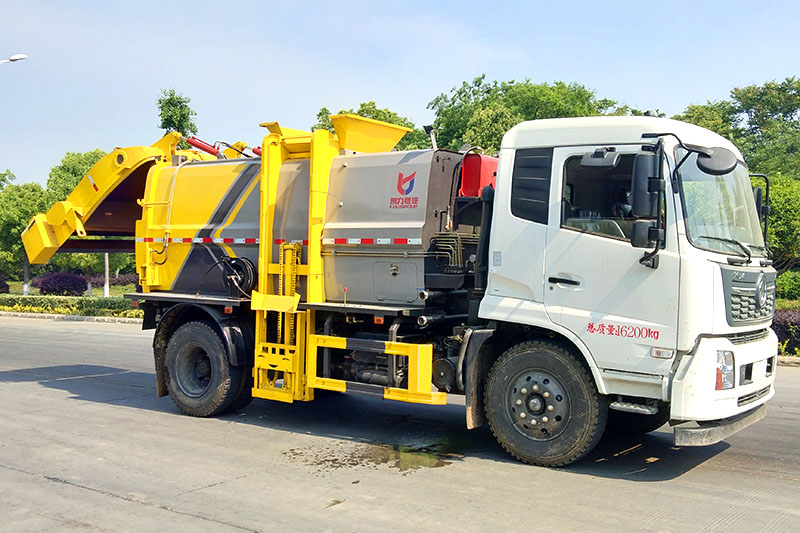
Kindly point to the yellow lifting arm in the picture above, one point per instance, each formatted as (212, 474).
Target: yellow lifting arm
(46, 232)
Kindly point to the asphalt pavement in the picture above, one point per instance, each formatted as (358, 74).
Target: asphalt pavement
(85, 444)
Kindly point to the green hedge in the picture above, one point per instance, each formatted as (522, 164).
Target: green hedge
(69, 305)
(789, 285)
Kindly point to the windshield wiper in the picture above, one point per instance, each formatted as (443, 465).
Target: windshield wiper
(741, 245)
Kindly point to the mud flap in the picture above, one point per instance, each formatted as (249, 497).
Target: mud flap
(478, 360)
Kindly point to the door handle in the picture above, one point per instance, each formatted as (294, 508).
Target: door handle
(565, 281)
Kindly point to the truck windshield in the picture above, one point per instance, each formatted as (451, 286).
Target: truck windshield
(720, 211)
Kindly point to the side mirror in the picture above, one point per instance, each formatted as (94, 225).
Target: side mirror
(716, 161)
(759, 194)
(645, 186)
(645, 234)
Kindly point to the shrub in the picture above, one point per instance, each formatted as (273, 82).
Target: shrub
(60, 284)
(787, 326)
(71, 305)
(789, 285)
(123, 279)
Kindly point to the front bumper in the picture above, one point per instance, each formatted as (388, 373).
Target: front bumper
(716, 430)
(693, 396)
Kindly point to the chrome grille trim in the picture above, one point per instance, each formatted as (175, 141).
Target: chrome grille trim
(753, 396)
(744, 307)
(746, 338)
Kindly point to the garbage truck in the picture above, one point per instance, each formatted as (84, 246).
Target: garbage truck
(599, 274)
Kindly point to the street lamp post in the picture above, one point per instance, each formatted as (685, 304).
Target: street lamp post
(15, 57)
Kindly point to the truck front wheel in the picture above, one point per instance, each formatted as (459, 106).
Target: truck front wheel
(200, 379)
(543, 406)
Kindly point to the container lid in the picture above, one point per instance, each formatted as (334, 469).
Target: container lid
(366, 135)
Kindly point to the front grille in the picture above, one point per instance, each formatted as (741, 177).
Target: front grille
(744, 307)
(750, 336)
(753, 396)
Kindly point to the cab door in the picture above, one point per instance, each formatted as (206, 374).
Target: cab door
(593, 284)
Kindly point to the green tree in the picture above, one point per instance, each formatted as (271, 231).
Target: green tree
(719, 116)
(65, 176)
(764, 122)
(6, 177)
(454, 110)
(176, 115)
(413, 140)
(488, 124)
(784, 221)
(18, 203)
(471, 112)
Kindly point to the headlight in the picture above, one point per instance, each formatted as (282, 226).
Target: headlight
(725, 366)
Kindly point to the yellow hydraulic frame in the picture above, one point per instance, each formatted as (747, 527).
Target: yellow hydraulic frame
(286, 369)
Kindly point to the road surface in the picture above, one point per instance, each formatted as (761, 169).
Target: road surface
(85, 444)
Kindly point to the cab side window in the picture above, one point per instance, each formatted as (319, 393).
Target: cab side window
(530, 184)
(598, 201)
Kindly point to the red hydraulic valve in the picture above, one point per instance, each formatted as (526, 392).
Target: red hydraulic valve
(256, 150)
(202, 145)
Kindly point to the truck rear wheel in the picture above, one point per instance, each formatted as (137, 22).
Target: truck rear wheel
(543, 406)
(245, 395)
(200, 379)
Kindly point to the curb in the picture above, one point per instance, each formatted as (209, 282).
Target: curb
(784, 360)
(73, 318)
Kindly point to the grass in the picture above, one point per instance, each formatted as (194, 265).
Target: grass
(15, 287)
(787, 305)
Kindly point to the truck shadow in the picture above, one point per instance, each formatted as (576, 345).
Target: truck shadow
(426, 435)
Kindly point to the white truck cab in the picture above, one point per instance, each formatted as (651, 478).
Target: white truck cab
(670, 301)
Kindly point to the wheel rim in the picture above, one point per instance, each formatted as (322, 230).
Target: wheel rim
(537, 404)
(193, 371)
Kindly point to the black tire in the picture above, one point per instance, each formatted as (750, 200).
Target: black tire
(543, 406)
(200, 379)
(245, 395)
(622, 423)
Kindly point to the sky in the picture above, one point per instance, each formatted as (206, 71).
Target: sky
(96, 69)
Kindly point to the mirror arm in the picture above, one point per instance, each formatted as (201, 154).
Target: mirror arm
(766, 211)
(650, 259)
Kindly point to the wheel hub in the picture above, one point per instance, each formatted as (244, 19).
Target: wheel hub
(538, 404)
(193, 373)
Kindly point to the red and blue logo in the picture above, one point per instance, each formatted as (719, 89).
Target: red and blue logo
(405, 184)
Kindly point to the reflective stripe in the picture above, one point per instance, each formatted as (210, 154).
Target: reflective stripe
(370, 241)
